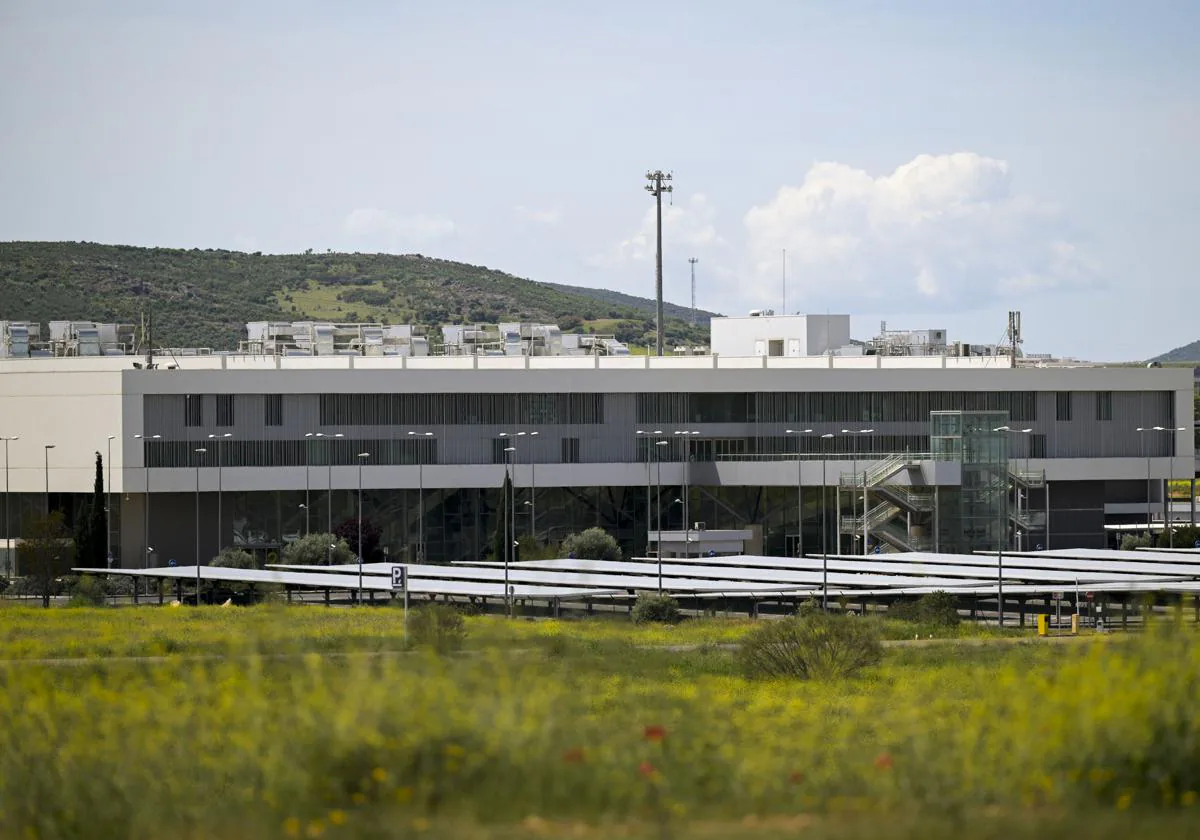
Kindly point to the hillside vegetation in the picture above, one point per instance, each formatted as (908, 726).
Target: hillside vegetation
(1186, 353)
(202, 298)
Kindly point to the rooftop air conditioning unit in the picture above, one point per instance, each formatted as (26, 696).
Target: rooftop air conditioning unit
(699, 526)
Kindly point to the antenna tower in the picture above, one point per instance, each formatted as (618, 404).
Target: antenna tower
(1014, 336)
(657, 186)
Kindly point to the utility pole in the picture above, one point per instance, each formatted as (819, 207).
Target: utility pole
(656, 188)
(693, 261)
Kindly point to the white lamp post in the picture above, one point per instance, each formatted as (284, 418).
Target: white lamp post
(217, 441)
(329, 488)
(146, 513)
(108, 504)
(7, 524)
(420, 495)
(47, 447)
(362, 456)
(1166, 501)
(510, 526)
(800, 491)
(658, 509)
(854, 469)
(824, 529)
(199, 451)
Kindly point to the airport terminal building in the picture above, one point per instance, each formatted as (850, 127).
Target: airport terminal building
(807, 446)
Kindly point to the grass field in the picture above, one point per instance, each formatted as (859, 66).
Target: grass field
(586, 728)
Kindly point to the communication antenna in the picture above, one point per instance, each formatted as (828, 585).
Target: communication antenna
(1014, 336)
(693, 261)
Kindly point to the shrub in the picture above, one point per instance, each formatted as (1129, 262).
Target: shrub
(87, 591)
(938, 608)
(592, 544)
(1130, 542)
(437, 626)
(234, 558)
(652, 607)
(314, 550)
(815, 647)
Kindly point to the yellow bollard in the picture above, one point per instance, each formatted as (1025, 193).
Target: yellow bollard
(1075, 623)
(1043, 624)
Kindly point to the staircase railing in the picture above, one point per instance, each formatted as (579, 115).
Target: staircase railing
(905, 497)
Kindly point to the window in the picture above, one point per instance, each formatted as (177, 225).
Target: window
(1037, 446)
(224, 409)
(1063, 406)
(193, 410)
(570, 450)
(1104, 405)
(273, 410)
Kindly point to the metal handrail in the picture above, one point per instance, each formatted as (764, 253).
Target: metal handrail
(917, 501)
(864, 457)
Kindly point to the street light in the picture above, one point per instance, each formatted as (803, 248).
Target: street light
(658, 507)
(362, 456)
(687, 481)
(854, 470)
(220, 463)
(199, 451)
(47, 448)
(329, 485)
(654, 433)
(307, 501)
(108, 505)
(7, 533)
(1000, 553)
(510, 525)
(799, 492)
(146, 513)
(420, 495)
(824, 529)
(1166, 503)
(1021, 534)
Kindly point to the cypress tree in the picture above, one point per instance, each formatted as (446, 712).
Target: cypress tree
(99, 517)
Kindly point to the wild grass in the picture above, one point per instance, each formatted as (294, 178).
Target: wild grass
(584, 732)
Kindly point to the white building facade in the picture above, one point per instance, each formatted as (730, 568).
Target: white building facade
(630, 444)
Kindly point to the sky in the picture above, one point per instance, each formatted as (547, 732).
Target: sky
(932, 164)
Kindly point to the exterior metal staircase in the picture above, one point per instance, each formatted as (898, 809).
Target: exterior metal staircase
(888, 520)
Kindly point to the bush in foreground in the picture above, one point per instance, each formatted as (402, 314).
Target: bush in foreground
(437, 626)
(661, 609)
(936, 608)
(814, 647)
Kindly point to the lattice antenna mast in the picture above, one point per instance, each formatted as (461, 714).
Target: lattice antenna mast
(659, 184)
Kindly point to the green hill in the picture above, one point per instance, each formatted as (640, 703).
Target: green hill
(670, 310)
(1186, 353)
(202, 298)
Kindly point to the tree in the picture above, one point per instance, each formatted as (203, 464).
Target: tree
(313, 550)
(91, 526)
(592, 544)
(347, 532)
(45, 553)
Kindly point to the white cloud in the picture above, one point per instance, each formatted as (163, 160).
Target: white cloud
(944, 230)
(690, 223)
(378, 228)
(542, 217)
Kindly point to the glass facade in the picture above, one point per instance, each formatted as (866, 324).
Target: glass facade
(976, 516)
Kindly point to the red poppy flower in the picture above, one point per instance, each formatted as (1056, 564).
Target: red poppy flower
(884, 761)
(655, 733)
(573, 755)
(647, 770)
(796, 777)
